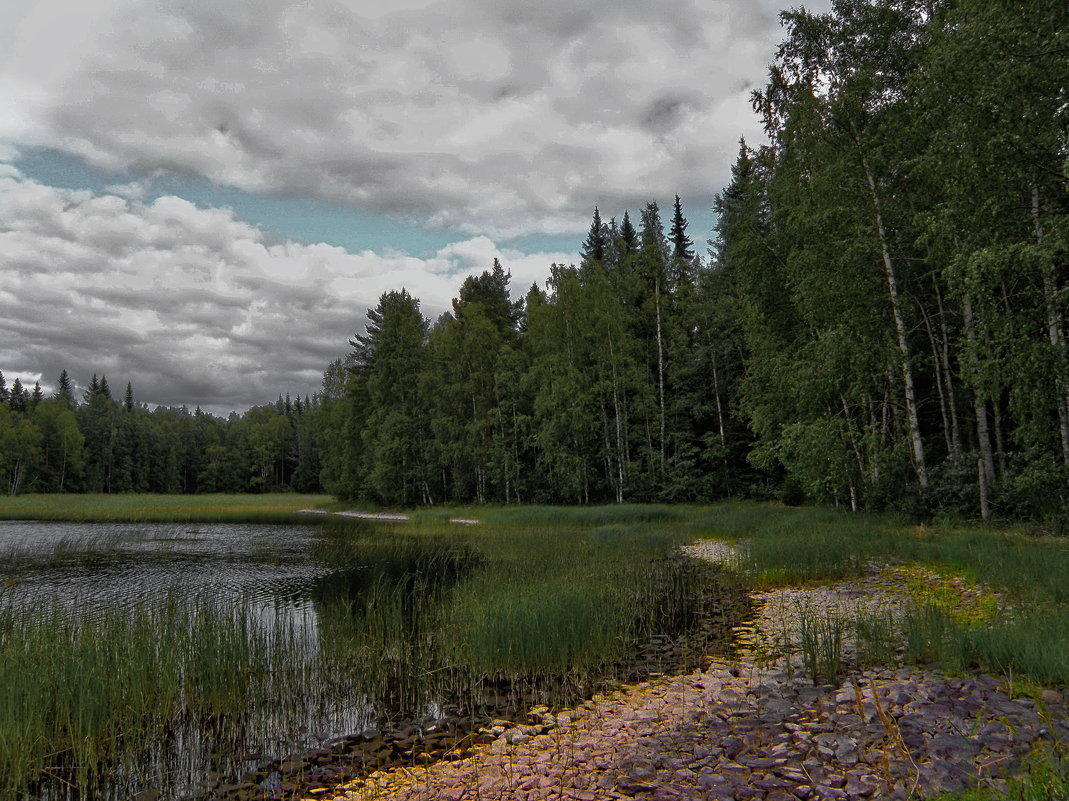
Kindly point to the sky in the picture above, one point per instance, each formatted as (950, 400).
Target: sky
(203, 198)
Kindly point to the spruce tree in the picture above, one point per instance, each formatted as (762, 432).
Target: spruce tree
(18, 399)
(65, 392)
(5, 395)
(594, 248)
(128, 400)
(682, 248)
(105, 390)
(92, 390)
(36, 397)
(628, 235)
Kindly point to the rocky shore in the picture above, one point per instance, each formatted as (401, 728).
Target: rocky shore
(755, 727)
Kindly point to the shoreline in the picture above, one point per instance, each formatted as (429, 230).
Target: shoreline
(755, 728)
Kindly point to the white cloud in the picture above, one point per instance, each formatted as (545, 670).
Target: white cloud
(488, 116)
(191, 304)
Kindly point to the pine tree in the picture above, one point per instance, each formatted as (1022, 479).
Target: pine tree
(653, 255)
(489, 291)
(682, 248)
(628, 236)
(105, 390)
(18, 399)
(128, 399)
(594, 248)
(36, 397)
(65, 392)
(92, 390)
(5, 394)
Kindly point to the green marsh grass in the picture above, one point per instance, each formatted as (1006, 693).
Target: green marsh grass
(84, 690)
(277, 508)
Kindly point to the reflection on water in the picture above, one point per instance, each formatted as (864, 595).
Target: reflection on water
(116, 566)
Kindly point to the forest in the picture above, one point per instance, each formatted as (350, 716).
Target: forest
(878, 321)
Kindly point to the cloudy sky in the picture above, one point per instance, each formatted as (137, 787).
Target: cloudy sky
(203, 197)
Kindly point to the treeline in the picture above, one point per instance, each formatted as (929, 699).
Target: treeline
(603, 387)
(100, 444)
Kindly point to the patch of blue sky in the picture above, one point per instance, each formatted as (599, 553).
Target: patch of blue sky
(301, 219)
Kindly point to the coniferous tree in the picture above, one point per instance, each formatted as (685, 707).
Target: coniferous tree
(65, 391)
(18, 400)
(628, 235)
(593, 250)
(91, 390)
(682, 248)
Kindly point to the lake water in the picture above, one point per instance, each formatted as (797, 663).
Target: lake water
(122, 565)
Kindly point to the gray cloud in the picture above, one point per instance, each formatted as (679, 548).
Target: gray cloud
(191, 305)
(495, 116)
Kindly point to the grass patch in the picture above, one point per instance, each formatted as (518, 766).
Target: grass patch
(616, 514)
(532, 597)
(1027, 632)
(146, 508)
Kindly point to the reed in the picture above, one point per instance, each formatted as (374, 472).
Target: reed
(91, 688)
(821, 644)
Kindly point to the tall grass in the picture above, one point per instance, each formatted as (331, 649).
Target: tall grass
(144, 508)
(94, 688)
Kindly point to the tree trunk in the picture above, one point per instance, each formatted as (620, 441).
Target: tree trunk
(916, 442)
(943, 411)
(1054, 332)
(955, 429)
(660, 362)
(983, 435)
(620, 455)
(847, 420)
(719, 411)
(985, 505)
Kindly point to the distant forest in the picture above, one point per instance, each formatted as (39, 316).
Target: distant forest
(880, 321)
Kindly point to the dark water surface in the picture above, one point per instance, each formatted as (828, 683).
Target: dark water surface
(110, 565)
